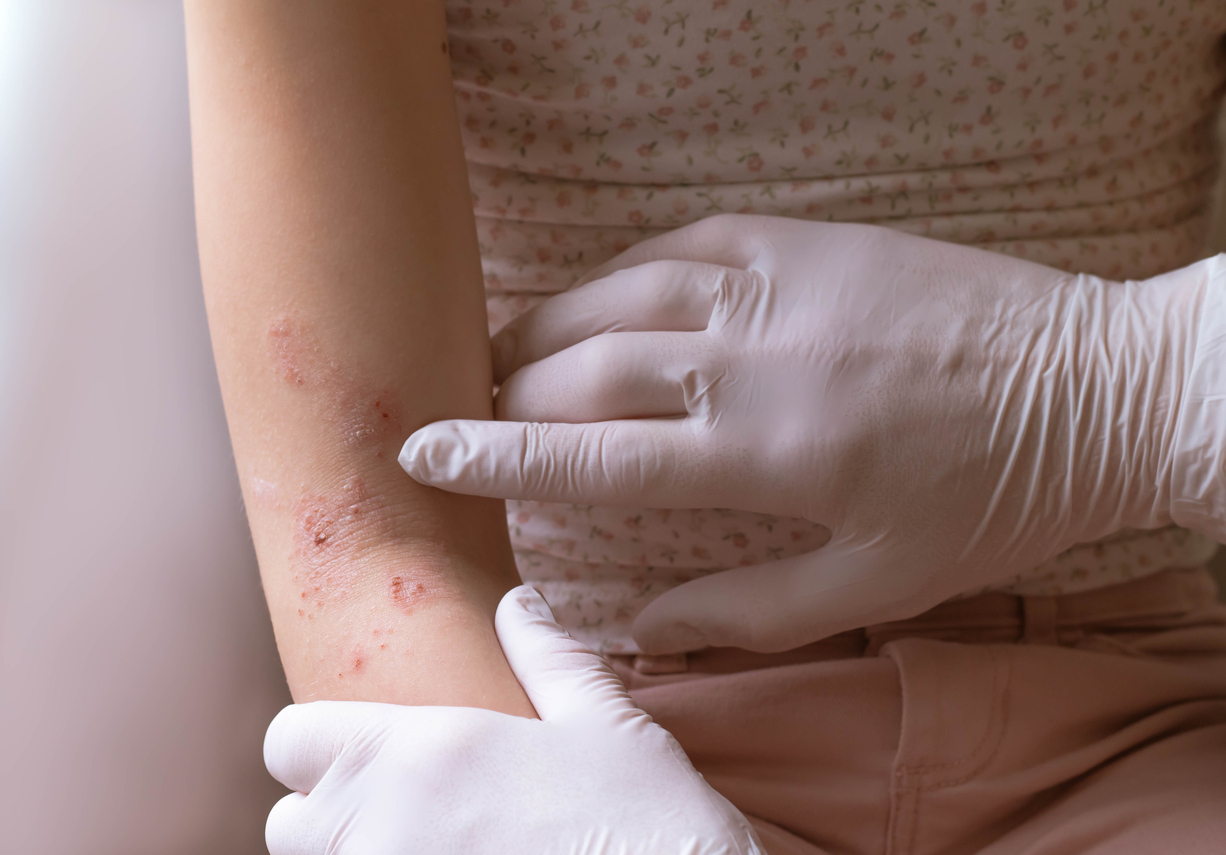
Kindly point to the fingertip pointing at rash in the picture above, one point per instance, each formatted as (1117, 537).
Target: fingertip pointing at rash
(434, 455)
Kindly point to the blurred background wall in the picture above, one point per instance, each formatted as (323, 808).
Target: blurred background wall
(137, 668)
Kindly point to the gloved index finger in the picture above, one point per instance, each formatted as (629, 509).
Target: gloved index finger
(304, 740)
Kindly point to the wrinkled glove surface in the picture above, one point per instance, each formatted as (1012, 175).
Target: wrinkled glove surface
(953, 416)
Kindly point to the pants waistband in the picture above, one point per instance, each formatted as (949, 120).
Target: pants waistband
(1167, 599)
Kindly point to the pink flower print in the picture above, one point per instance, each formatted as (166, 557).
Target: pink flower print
(979, 61)
(559, 45)
(810, 151)
(995, 84)
(799, 53)
(464, 14)
(680, 207)
(638, 40)
(1070, 5)
(635, 218)
(609, 82)
(645, 90)
(543, 254)
(615, 165)
(523, 517)
(579, 6)
(918, 79)
(1019, 41)
(622, 62)
(625, 193)
(888, 112)
(507, 46)
(563, 199)
(828, 105)
(528, 138)
(557, 22)
(472, 124)
(838, 49)
(757, 71)
(700, 552)
(740, 541)
(979, 9)
(570, 574)
(754, 163)
(683, 81)
(645, 150)
(724, 35)
(719, 4)
(712, 178)
(628, 124)
(807, 124)
(1072, 27)
(887, 140)
(566, 145)
(642, 14)
(761, 105)
(1089, 71)
(620, 245)
(485, 142)
(585, 89)
(665, 111)
(819, 83)
(737, 60)
(948, 20)
(824, 30)
(633, 522)
(680, 136)
(711, 128)
(898, 14)
(704, 58)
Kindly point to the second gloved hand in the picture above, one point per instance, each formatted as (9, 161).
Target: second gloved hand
(595, 776)
(955, 417)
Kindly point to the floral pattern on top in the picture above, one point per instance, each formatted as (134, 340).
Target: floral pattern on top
(1074, 133)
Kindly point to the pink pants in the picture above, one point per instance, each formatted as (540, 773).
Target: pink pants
(1089, 723)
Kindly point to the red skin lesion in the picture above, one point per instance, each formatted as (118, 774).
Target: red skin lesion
(406, 592)
(329, 532)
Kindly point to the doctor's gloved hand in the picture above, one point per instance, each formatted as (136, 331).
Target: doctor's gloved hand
(953, 416)
(593, 776)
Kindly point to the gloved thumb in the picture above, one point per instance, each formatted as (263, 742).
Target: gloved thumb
(304, 740)
(781, 605)
(564, 679)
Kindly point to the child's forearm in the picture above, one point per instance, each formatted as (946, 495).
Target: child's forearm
(344, 295)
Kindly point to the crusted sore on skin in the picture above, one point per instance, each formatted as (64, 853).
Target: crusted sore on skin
(407, 591)
(330, 533)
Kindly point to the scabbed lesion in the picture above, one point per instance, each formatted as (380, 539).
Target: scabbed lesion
(330, 533)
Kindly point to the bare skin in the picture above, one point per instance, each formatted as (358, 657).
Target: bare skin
(345, 301)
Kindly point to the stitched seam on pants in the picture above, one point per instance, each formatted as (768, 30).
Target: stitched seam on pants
(998, 708)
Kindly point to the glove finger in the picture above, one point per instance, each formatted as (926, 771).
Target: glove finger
(730, 240)
(782, 604)
(659, 295)
(657, 463)
(564, 679)
(288, 831)
(613, 376)
(304, 740)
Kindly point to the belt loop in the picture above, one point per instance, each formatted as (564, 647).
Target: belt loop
(1039, 620)
(669, 663)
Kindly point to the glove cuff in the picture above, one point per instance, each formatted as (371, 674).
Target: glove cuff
(1198, 463)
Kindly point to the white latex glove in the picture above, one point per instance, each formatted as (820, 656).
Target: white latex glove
(594, 776)
(954, 416)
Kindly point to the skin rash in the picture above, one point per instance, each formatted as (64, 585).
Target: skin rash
(331, 527)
